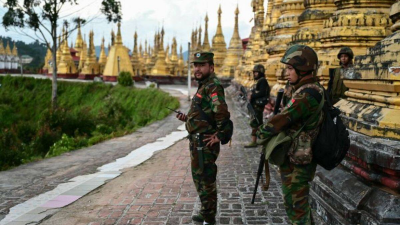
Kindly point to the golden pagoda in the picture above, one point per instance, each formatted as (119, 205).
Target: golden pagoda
(243, 73)
(149, 61)
(91, 67)
(218, 45)
(357, 25)
(118, 59)
(160, 68)
(181, 64)
(311, 23)
(48, 58)
(145, 58)
(234, 53)
(14, 51)
(66, 67)
(370, 178)
(135, 57)
(8, 49)
(206, 44)
(2, 51)
(281, 33)
(79, 41)
(174, 58)
(199, 47)
(102, 57)
(83, 55)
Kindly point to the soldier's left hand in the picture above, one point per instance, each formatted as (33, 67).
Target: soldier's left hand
(211, 139)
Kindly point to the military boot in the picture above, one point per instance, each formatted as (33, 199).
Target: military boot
(251, 145)
(198, 218)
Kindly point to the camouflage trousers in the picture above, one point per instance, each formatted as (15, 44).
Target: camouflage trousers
(205, 180)
(295, 188)
(253, 122)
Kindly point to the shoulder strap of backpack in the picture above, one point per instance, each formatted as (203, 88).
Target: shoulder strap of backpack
(321, 104)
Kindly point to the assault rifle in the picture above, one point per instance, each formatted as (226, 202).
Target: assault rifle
(262, 156)
(248, 104)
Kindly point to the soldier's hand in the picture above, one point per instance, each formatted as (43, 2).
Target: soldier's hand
(211, 139)
(181, 117)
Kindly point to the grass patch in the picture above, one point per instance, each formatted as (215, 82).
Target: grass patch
(88, 113)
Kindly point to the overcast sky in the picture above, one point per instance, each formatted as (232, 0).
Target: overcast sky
(179, 17)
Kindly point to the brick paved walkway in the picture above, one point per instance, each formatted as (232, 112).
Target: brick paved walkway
(161, 191)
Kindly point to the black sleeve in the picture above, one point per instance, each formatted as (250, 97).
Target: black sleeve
(261, 89)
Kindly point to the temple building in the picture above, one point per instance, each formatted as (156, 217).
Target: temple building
(118, 59)
(364, 189)
(234, 52)
(91, 67)
(81, 61)
(218, 44)
(9, 59)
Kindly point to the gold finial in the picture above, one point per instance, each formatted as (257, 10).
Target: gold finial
(219, 10)
(237, 10)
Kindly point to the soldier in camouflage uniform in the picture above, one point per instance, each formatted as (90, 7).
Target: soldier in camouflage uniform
(346, 70)
(207, 125)
(306, 94)
(258, 99)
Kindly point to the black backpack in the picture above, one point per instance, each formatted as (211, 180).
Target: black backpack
(333, 141)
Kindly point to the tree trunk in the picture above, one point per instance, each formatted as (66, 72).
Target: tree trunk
(54, 80)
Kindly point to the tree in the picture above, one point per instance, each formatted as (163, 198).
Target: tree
(43, 16)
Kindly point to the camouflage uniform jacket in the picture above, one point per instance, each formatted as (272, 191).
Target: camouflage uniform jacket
(211, 98)
(298, 109)
(338, 87)
(259, 90)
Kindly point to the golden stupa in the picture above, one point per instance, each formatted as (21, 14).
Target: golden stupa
(135, 57)
(102, 57)
(206, 43)
(91, 67)
(218, 44)
(118, 59)
(66, 66)
(234, 52)
(79, 42)
(160, 68)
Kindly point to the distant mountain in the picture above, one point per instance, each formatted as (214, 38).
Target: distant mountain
(98, 50)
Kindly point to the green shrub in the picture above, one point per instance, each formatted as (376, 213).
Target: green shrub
(65, 144)
(125, 79)
(88, 113)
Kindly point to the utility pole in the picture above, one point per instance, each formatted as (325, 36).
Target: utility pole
(189, 77)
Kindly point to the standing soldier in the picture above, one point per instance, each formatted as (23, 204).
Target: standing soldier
(208, 123)
(346, 70)
(298, 168)
(258, 99)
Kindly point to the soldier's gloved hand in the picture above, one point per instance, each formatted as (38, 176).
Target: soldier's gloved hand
(181, 117)
(211, 139)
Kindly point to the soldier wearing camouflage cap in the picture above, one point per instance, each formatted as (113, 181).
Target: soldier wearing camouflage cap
(336, 85)
(303, 104)
(207, 123)
(259, 98)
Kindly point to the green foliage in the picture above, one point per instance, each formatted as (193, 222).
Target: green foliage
(88, 113)
(125, 79)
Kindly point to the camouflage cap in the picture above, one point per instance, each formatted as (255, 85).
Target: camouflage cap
(301, 57)
(203, 57)
(347, 51)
